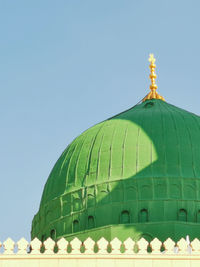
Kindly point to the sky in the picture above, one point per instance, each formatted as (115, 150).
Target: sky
(66, 65)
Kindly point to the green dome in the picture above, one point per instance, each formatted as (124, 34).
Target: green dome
(136, 173)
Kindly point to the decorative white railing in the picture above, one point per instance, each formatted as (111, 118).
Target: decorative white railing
(101, 247)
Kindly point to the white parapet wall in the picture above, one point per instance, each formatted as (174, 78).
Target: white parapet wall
(100, 254)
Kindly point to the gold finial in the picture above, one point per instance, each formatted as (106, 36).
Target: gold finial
(152, 58)
(153, 94)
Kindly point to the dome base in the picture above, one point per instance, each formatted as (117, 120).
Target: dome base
(162, 230)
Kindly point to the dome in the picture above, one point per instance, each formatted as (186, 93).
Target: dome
(137, 173)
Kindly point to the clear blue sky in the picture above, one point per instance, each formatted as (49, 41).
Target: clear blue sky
(67, 65)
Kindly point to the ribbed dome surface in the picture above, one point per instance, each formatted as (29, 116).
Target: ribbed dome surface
(149, 143)
(121, 147)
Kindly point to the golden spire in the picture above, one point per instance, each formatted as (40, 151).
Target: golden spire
(153, 94)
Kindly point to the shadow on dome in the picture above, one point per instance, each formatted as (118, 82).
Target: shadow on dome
(135, 174)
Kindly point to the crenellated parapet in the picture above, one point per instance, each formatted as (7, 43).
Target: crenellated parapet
(101, 247)
(115, 253)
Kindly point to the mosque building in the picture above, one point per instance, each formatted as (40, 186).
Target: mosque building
(126, 192)
(136, 174)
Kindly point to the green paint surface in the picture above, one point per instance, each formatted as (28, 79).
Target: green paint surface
(137, 174)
